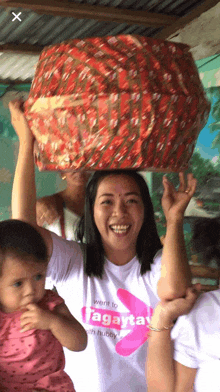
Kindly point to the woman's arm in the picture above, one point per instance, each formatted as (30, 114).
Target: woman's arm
(175, 270)
(163, 374)
(60, 322)
(184, 377)
(24, 190)
(159, 366)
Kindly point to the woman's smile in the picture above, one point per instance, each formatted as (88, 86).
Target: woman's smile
(120, 229)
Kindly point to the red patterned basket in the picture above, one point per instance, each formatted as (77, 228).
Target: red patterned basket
(115, 103)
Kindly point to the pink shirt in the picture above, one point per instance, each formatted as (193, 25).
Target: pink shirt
(32, 359)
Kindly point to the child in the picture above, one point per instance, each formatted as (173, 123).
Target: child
(34, 322)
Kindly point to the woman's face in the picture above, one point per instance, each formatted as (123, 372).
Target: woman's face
(79, 178)
(119, 214)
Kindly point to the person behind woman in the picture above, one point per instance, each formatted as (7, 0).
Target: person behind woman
(61, 212)
(188, 358)
(114, 288)
(34, 322)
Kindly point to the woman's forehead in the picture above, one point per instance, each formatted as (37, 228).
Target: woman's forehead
(118, 183)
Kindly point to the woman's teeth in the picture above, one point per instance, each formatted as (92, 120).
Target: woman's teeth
(120, 229)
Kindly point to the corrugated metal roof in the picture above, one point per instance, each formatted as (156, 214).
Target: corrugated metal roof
(43, 30)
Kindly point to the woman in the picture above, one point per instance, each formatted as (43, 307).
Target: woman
(61, 212)
(194, 342)
(114, 290)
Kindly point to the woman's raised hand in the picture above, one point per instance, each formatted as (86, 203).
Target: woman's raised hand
(174, 202)
(19, 121)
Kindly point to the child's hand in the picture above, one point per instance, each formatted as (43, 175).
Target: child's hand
(19, 121)
(35, 318)
(168, 311)
(175, 202)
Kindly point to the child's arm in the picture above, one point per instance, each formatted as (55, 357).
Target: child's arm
(60, 322)
(175, 270)
(75, 338)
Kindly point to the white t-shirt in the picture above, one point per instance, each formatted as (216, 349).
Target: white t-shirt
(71, 220)
(196, 339)
(115, 312)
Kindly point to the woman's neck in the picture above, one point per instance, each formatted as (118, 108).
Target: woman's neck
(74, 199)
(120, 257)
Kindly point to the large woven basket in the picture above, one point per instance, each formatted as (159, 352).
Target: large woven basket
(114, 103)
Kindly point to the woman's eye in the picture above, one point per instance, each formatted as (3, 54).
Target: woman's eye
(132, 201)
(39, 277)
(17, 284)
(106, 202)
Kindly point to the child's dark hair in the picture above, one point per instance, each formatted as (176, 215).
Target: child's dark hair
(148, 241)
(206, 239)
(21, 240)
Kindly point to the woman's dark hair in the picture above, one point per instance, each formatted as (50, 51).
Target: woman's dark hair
(206, 239)
(21, 240)
(148, 241)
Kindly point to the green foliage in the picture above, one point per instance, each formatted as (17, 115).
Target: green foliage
(211, 206)
(202, 169)
(213, 95)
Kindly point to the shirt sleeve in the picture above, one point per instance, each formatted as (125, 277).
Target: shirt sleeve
(66, 257)
(185, 341)
(155, 272)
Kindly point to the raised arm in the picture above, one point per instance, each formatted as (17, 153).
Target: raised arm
(175, 271)
(24, 190)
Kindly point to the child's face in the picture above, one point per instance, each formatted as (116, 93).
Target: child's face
(21, 283)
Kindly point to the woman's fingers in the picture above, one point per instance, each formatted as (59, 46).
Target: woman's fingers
(181, 306)
(182, 186)
(168, 186)
(19, 121)
(191, 296)
(191, 184)
(188, 186)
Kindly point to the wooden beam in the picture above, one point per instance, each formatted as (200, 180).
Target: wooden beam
(202, 271)
(182, 22)
(86, 11)
(21, 48)
(15, 82)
